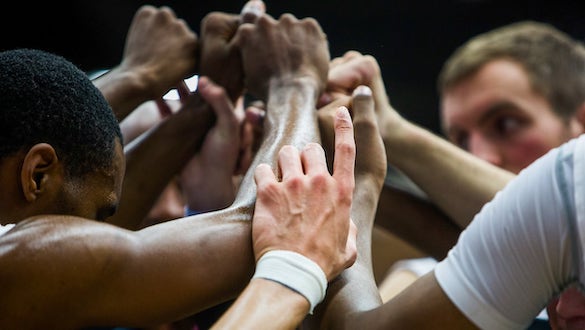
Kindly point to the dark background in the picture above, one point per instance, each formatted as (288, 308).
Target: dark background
(410, 39)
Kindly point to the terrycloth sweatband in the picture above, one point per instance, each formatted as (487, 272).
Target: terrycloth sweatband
(294, 271)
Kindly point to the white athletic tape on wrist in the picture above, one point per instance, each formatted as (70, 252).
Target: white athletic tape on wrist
(294, 271)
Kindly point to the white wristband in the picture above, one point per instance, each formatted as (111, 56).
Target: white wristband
(294, 271)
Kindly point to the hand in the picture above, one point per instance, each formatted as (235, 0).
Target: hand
(308, 210)
(348, 72)
(351, 70)
(285, 49)
(371, 154)
(207, 179)
(161, 48)
(220, 58)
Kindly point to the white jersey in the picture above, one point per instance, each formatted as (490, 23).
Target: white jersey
(524, 247)
(5, 228)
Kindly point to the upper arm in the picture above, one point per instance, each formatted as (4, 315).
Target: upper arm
(53, 270)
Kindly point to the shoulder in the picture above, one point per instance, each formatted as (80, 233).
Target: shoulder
(51, 263)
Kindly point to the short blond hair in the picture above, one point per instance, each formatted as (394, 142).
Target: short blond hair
(554, 62)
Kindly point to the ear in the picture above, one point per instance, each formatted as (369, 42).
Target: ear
(40, 169)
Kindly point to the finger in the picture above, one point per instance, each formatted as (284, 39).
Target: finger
(183, 91)
(351, 244)
(239, 110)
(350, 54)
(252, 10)
(289, 162)
(216, 96)
(313, 159)
(163, 108)
(255, 116)
(344, 161)
(263, 175)
(363, 104)
(218, 24)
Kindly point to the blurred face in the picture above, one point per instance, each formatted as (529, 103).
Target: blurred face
(497, 116)
(95, 196)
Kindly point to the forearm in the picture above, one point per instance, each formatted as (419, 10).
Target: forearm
(422, 305)
(290, 120)
(416, 221)
(265, 303)
(355, 290)
(155, 157)
(459, 183)
(124, 90)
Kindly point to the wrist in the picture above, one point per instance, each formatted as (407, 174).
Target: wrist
(310, 85)
(294, 271)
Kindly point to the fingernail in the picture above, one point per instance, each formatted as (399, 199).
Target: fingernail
(342, 112)
(254, 7)
(362, 90)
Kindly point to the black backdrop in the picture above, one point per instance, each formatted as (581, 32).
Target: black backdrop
(410, 38)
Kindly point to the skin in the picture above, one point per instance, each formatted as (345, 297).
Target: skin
(342, 309)
(328, 241)
(497, 116)
(143, 76)
(567, 311)
(111, 258)
(461, 169)
(526, 115)
(408, 213)
(357, 281)
(159, 52)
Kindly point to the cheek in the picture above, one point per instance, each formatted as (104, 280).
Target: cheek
(525, 149)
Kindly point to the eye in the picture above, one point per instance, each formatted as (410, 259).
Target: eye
(507, 125)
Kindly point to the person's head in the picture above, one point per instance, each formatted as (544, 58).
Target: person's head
(513, 93)
(60, 144)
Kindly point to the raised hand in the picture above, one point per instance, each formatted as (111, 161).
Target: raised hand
(220, 58)
(308, 210)
(160, 52)
(287, 48)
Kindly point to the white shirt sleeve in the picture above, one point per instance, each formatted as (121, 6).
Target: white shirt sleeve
(522, 248)
(5, 228)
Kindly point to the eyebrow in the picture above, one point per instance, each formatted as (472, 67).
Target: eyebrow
(495, 109)
(492, 111)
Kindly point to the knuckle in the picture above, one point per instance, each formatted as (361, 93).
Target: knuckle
(294, 183)
(345, 149)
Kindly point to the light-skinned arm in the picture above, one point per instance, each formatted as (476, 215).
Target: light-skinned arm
(329, 242)
(410, 217)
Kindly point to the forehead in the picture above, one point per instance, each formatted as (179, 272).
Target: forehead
(500, 81)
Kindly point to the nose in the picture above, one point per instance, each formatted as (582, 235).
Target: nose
(485, 149)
